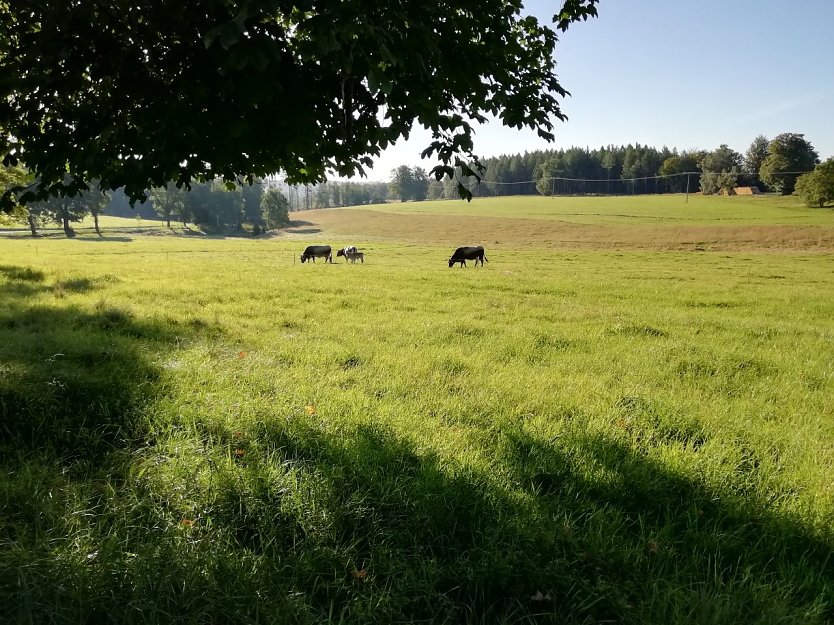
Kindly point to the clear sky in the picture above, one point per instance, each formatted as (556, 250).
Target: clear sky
(679, 73)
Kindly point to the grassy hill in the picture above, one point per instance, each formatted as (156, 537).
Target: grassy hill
(629, 222)
(632, 423)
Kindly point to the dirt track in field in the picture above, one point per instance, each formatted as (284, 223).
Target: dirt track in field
(364, 225)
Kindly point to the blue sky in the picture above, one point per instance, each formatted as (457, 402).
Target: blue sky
(679, 73)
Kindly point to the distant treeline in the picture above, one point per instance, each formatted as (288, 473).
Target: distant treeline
(771, 165)
(213, 206)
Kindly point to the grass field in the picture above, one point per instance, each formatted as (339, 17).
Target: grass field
(201, 430)
(86, 228)
(625, 223)
(627, 209)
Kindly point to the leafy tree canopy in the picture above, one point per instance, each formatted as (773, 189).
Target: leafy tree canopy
(817, 188)
(11, 177)
(788, 154)
(274, 209)
(756, 153)
(140, 93)
(720, 169)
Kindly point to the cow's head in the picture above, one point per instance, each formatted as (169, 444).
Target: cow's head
(303, 258)
(340, 253)
(452, 261)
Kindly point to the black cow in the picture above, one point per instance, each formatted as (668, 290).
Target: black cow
(462, 254)
(317, 251)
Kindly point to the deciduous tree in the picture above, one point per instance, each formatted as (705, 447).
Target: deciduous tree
(275, 209)
(402, 183)
(420, 184)
(14, 177)
(168, 201)
(96, 202)
(817, 188)
(62, 210)
(720, 169)
(787, 154)
(755, 156)
(138, 94)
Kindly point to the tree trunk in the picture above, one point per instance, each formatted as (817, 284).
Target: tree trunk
(32, 224)
(66, 222)
(169, 222)
(95, 221)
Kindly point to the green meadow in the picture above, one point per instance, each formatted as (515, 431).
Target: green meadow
(629, 209)
(203, 430)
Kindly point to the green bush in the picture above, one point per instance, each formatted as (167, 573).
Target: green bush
(817, 188)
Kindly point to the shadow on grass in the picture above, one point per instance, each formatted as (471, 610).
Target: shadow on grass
(74, 382)
(302, 230)
(22, 274)
(366, 524)
(81, 234)
(291, 522)
(107, 238)
(72, 379)
(74, 388)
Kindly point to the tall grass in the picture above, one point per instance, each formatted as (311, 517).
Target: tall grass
(201, 431)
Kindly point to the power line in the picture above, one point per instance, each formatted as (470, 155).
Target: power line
(656, 177)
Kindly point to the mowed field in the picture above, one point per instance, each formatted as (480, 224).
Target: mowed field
(658, 222)
(626, 416)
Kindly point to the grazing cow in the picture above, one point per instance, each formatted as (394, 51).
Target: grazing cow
(351, 253)
(462, 254)
(350, 249)
(317, 251)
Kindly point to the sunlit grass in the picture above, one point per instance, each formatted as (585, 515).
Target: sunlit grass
(631, 209)
(560, 223)
(204, 430)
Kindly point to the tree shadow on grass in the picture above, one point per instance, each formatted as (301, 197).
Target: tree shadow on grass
(72, 379)
(16, 273)
(367, 528)
(75, 386)
(301, 525)
(302, 230)
(293, 522)
(107, 238)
